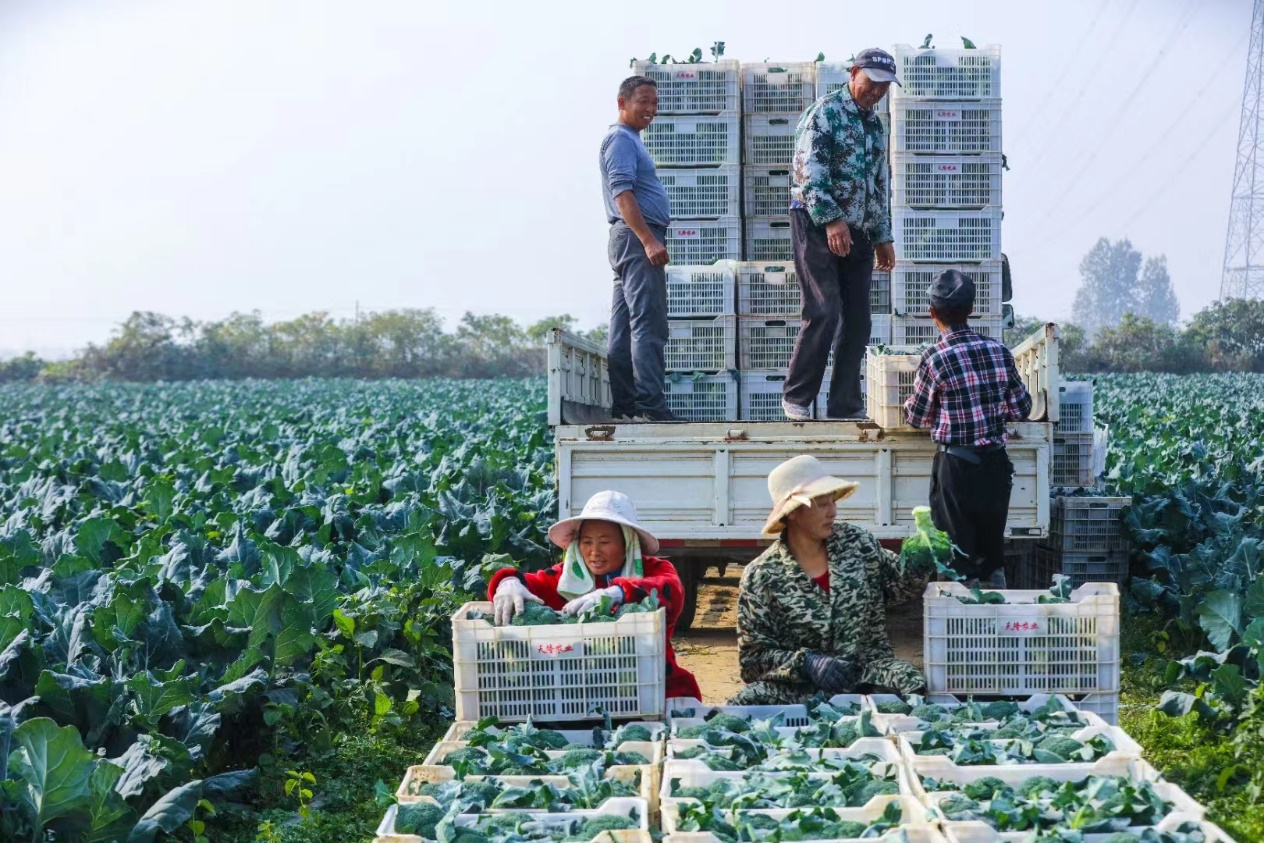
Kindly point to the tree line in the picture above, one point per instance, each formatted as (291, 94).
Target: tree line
(410, 343)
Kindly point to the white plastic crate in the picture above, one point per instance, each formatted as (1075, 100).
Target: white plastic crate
(913, 332)
(766, 344)
(947, 236)
(1081, 566)
(558, 672)
(1022, 647)
(701, 290)
(897, 724)
(1075, 407)
(702, 398)
(910, 281)
(888, 384)
(981, 832)
(945, 128)
(771, 88)
(768, 239)
(1126, 749)
(637, 809)
(915, 827)
(701, 345)
(765, 191)
(694, 140)
(703, 88)
(761, 396)
(419, 775)
(948, 74)
(703, 192)
(1020, 561)
(945, 181)
(704, 242)
(768, 289)
(1072, 463)
(693, 710)
(880, 292)
(1105, 706)
(769, 140)
(459, 729)
(1088, 524)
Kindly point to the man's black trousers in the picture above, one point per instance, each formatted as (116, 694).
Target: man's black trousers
(970, 502)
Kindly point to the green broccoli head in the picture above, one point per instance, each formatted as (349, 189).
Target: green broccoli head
(549, 739)
(959, 808)
(465, 755)
(1061, 746)
(894, 707)
(693, 732)
(733, 723)
(842, 830)
(721, 763)
(590, 828)
(858, 797)
(635, 733)
(1000, 710)
(418, 818)
(536, 614)
(1037, 785)
(984, 788)
(579, 757)
(929, 712)
(624, 758)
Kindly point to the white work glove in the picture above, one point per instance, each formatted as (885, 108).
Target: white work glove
(590, 600)
(510, 599)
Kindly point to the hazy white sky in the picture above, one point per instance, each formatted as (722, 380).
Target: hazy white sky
(196, 157)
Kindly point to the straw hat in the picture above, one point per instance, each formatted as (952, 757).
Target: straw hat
(795, 483)
(604, 506)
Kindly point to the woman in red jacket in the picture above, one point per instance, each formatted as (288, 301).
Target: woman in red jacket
(604, 546)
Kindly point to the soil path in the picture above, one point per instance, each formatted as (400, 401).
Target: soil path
(709, 649)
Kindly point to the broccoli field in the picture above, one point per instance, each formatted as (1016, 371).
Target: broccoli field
(223, 606)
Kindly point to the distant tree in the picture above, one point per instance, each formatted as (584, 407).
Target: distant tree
(23, 369)
(1024, 327)
(1231, 334)
(1108, 290)
(1156, 300)
(1138, 344)
(599, 335)
(538, 332)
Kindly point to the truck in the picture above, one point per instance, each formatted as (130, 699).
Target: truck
(701, 487)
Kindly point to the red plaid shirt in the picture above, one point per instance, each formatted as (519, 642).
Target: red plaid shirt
(967, 387)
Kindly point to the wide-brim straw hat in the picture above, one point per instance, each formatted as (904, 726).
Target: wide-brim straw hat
(795, 483)
(604, 506)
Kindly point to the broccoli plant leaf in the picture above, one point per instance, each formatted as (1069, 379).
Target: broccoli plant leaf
(53, 769)
(1220, 616)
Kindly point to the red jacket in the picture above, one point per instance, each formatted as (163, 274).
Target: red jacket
(660, 575)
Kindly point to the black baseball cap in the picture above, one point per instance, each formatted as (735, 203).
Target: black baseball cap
(951, 289)
(878, 65)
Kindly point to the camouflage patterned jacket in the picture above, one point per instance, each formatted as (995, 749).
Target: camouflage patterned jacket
(840, 166)
(782, 614)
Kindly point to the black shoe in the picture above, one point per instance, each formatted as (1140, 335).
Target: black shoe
(661, 416)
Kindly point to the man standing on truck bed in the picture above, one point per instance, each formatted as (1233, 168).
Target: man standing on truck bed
(639, 212)
(840, 218)
(966, 388)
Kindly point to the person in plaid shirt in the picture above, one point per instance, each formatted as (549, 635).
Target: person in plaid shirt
(967, 387)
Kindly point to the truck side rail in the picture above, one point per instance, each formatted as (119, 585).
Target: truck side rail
(579, 380)
(1037, 359)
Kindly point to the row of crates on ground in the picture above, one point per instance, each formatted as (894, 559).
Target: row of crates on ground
(921, 236)
(1087, 542)
(922, 784)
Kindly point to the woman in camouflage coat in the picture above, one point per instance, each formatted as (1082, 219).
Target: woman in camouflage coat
(811, 612)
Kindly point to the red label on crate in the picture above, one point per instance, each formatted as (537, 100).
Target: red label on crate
(685, 75)
(949, 168)
(1028, 627)
(687, 233)
(557, 648)
(947, 115)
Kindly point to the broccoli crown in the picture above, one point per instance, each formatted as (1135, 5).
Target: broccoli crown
(464, 754)
(1038, 784)
(635, 733)
(1061, 746)
(728, 721)
(843, 830)
(929, 712)
(959, 807)
(721, 763)
(1012, 729)
(536, 615)
(579, 757)
(465, 834)
(590, 828)
(621, 758)
(984, 788)
(418, 818)
(549, 739)
(859, 796)
(693, 731)
(1000, 710)
(693, 752)
(894, 707)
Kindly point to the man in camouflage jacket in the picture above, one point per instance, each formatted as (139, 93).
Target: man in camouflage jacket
(840, 221)
(783, 616)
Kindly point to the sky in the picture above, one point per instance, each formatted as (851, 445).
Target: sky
(199, 157)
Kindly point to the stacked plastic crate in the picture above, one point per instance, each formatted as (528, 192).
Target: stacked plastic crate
(695, 143)
(946, 183)
(768, 299)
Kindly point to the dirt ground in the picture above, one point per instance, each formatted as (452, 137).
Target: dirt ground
(709, 650)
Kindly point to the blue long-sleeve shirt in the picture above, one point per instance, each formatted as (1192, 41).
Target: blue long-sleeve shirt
(626, 165)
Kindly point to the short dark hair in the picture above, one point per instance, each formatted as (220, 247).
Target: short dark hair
(954, 316)
(627, 88)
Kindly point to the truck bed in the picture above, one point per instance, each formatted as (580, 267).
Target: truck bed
(702, 484)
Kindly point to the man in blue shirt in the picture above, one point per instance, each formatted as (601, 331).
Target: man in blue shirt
(639, 212)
